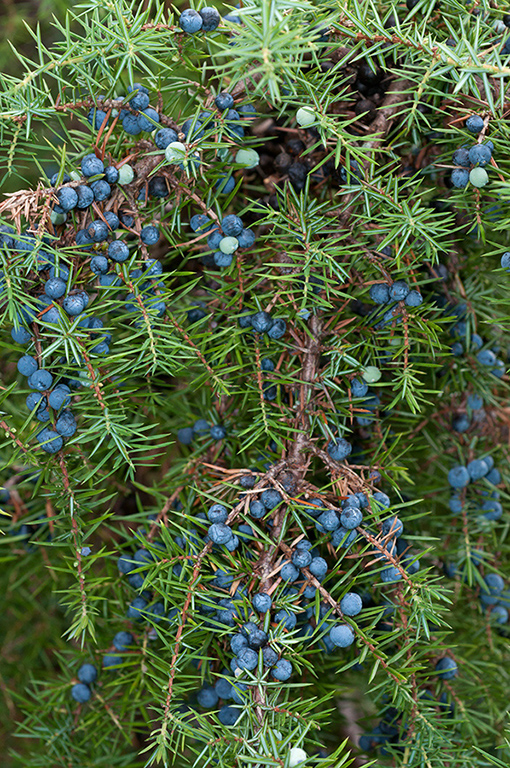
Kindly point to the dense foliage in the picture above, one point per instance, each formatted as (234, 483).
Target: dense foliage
(254, 418)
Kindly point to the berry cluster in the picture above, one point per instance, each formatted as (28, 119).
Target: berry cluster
(224, 238)
(471, 161)
(205, 20)
(482, 472)
(201, 428)
(495, 599)
(242, 590)
(485, 356)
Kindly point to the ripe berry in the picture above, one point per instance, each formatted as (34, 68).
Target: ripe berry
(458, 477)
(140, 100)
(99, 265)
(50, 441)
(137, 87)
(158, 187)
(270, 657)
(192, 130)
(73, 304)
(59, 397)
(164, 137)
(495, 583)
(413, 299)
(339, 448)
(499, 614)
(257, 509)
(122, 640)
(382, 500)
(40, 380)
(201, 427)
(80, 693)
(118, 251)
(87, 674)
(91, 165)
(459, 178)
(342, 635)
(393, 526)
(399, 290)
(246, 239)
(351, 518)
(477, 469)
(131, 125)
(190, 21)
(486, 357)
(480, 154)
(247, 658)
(262, 602)
(54, 179)
(474, 123)
(218, 432)
(98, 231)
(232, 225)
(446, 668)
(282, 670)
(147, 119)
(237, 643)
(225, 184)
(35, 400)
(224, 101)
(493, 476)
(380, 293)
(492, 510)
(20, 335)
(101, 190)
(301, 558)
(207, 697)
(267, 364)
(55, 287)
(390, 574)
(67, 198)
(351, 604)
(27, 365)
(461, 157)
(149, 235)
(219, 533)
(359, 388)
(66, 424)
(96, 117)
(257, 638)
(261, 322)
(217, 513)
(328, 520)
(135, 609)
(278, 329)
(271, 498)
(228, 715)
(286, 619)
(111, 174)
(318, 567)
(289, 572)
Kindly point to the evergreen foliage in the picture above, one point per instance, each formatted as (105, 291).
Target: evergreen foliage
(254, 427)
